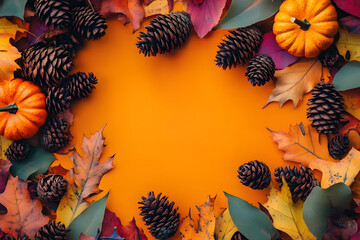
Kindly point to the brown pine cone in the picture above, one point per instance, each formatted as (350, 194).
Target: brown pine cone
(52, 188)
(17, 151)
(54, 135)
(88, 24)
(255, 174)
(339, 146)
(79, 85)
(55, 13)
(57, 100)
(260, 70)
(51, 231)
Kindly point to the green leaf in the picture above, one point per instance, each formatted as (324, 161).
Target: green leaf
(249, 220)
(12, 8)
(89, 221)
(321, 203)
(243, 13)
(37, 161)
(348, 76)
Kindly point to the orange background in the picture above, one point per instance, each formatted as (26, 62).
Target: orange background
(178, 124)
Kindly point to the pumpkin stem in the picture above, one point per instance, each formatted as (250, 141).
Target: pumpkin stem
(303, 24)
(11, 108)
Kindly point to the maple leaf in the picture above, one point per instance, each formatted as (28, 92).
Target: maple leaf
(302, 144)
(85, 178)
(343, 171)
(23, 213)
(349, 45)
(224, 226)
(296, 80)
(287, 216)
(206, 223)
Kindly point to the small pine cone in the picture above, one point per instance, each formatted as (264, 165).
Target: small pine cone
(240, 46)
(238, 236)
(17, 151)
(160, 215)
(300, 181)
(79, 85)
(255, 174)
(165, 33)
(51, 231)
(45, 66)
(51, 188)
(260, 70)
(54, 135)
(339, 146)
(57, 100)
(325, 108)
(331, 58)
(88, 24)
(55, 13)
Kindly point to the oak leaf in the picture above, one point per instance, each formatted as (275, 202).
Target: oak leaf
(302, 144)
(296, 80)
(349, 45)
(23, 213)
(206, 223)
(224, 226)
(343, 171)
(287, 216)
(85, 178)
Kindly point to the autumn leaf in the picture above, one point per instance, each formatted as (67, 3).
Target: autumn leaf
(224, 226)
(4, 173)
(287, 215)
(352, 23)
(340, 227)
(156, 7)
(85, 178)
(350, 6)
(178, 5)
(23, 213)
(302, 144)
(206, 223)
(343, 171)
(4, 144)
(296, 80)
(349, 45)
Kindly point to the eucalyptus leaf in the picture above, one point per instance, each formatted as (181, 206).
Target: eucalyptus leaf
(37, 161)
(321, 203)
(243, 13)
(249, 220)
(348, 76)
(89, 221)
(12, 8)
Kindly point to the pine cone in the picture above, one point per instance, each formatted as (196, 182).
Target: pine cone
(165, 33)
(9, 237)
(57, 100)
(45, 66)
(238, 236)
(67, 41)
(325, 108)
(51, 188)
(339, 146)
(17, 151)
(260, 70)
(161, 217)
(55, 13)
(54, 135)
(300, 181)
(79, 85)
(240, 46)
(89, 24)
(255, 174)
(331, 58)
(51, 231)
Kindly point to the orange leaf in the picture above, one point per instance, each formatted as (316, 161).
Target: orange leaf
(302, 144)
(157, 7)
(23, 213)
(85, 178)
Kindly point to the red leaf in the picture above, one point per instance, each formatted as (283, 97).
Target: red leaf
(349, 6)
(351, 23)
(205, 16)
(86, 237)
(137, 13)
(4, 173)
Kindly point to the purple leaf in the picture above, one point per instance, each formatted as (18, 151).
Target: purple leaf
(349, 6)
(37, 28)
(351, 23)
(281, 57)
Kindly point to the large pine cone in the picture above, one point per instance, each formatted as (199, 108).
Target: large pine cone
(51, 231)
(260, 70)
(331, 58)
(51, 188)
(57, 100)
(55, 13)
(79, 85)
(339, 146)
(300, 181)
(88, 24)
(165, 33)
(325, 108)
(255, 174)
(240, 46)
(161, 217)
(17, 151)
(54, 135)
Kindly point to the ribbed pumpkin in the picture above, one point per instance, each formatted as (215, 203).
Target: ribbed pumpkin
(22, 109)
(305, 27)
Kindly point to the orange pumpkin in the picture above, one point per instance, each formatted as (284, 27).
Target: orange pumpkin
(22, 109)
(305, 27)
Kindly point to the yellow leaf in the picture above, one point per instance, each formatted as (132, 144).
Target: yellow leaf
(85, 178)
(180, 5)
(4, 144)
(157, 7)
(349, 42)
(302, 144)
(294, 81)
(286, 214)
(206, 223)
(343, 171)
(224, 226)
